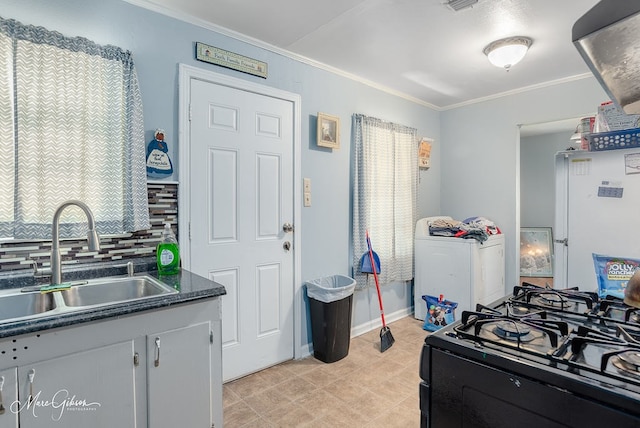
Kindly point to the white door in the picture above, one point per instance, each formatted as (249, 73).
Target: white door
(560, 227)
(241, 198)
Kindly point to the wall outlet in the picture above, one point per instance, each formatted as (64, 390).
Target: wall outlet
(307, 199)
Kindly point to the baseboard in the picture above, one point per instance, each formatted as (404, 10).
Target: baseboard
(377, 323)
(307, 350)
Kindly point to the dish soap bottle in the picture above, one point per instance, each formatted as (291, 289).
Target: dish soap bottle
(168, 253)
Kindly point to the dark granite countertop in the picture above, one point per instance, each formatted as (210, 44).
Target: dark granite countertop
(190, 287)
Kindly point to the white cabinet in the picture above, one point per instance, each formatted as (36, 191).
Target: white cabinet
(9, 395)
(91, 388)
(178, 366)
(150, 369)
(464, 271)
(77, 390)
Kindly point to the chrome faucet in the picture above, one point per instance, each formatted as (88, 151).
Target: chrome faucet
(93, 240)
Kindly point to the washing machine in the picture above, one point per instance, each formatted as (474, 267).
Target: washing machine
(464, 271)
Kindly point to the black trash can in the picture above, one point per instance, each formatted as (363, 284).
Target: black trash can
(330, 303)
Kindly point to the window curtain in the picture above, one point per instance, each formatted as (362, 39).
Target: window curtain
(385, 186)
(71, 127)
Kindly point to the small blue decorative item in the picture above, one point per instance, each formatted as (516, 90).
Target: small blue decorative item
(440, 312)
(158, 162)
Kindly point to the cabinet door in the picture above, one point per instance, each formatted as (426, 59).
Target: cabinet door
(94, 388)
(8, 396)
(179, 377)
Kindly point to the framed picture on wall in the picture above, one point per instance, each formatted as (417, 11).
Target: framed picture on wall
(328, 131)
(536, 252)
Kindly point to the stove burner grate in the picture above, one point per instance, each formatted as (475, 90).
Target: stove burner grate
(567, 299)
(517, 310)
(552, 300)
(537, 332)
(615, 308)
(628, 362)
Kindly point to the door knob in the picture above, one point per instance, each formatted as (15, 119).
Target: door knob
(287, 227)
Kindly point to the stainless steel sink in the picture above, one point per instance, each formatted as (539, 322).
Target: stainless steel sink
(112, 290)
(20, 305)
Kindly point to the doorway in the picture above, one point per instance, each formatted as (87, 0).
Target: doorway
(239, 176)
(539, 144)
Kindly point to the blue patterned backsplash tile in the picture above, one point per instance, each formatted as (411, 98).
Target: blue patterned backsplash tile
(163, 208)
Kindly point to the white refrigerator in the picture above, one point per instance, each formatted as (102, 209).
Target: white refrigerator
(597, 211)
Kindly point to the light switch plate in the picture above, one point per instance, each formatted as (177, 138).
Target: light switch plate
(306, 185)
(307, 199)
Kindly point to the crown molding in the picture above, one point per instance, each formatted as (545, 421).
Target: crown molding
(519, 91)
(181, 16)
(172, 13)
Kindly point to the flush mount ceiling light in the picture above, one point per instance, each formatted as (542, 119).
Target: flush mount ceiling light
(505, 53)
(456, 5)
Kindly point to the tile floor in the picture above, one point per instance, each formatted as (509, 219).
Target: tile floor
(367, 388)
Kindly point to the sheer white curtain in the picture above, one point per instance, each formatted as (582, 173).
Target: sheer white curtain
(385, 186)
(71, 127)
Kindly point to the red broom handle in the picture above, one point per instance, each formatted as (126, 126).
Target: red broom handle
(375, 277)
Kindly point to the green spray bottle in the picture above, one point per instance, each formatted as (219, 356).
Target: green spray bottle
(167, 253)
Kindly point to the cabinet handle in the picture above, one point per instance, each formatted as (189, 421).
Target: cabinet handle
(31, 375)
(156, 361)
(1, 400)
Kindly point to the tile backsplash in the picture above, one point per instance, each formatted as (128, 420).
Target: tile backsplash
(163, 208)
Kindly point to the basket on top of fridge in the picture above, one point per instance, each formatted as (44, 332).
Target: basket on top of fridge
(625, 139)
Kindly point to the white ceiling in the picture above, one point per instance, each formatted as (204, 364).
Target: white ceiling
(418, 48)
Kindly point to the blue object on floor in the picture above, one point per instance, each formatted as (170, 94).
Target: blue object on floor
(440, 312)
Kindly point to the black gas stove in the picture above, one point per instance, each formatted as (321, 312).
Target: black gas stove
(538, 358)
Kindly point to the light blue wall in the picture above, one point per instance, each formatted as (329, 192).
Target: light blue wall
(537, 177)
(481, 153)
(475, 159)
(160, 43)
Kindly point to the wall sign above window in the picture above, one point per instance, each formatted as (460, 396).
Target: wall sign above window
(213, 55)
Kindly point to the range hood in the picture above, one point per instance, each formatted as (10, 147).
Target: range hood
(608, 38)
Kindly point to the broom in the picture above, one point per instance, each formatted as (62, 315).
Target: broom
(386, 338)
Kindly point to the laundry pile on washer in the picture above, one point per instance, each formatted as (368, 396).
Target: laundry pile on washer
(478, 228)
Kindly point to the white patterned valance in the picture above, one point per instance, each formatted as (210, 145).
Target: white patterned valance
(385, 186)
(71, 127)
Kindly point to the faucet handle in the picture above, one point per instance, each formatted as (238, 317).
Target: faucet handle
(39, 272)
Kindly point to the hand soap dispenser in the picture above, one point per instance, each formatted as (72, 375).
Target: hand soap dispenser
(167, 253)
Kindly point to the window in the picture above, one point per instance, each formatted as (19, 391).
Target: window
(385, 186)
(70, 128)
